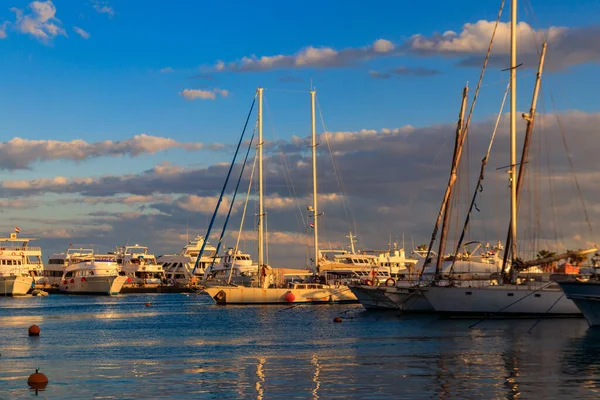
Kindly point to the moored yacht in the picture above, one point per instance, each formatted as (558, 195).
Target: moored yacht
(30, 256)
(140, 267)
(234, 267)
(15, 279)
(178, 267)
(90, 273)
(585, 293)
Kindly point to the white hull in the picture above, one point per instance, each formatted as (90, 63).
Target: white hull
(15, 285)
(500, 300)
(247, 295)
(586, 297)
(106, 285)
(398, 298)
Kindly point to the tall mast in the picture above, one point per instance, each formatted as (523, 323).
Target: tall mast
(315, 210)
(513, 129)
(260, 179)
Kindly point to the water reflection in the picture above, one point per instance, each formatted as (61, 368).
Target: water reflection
(188, 350)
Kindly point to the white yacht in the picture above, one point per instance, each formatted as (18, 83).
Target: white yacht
(141, 268)
(30, 256)
(178, 267)
(234, 267)
(90, 273)
(15, 279)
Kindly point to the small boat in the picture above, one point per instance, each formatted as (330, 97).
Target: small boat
(92, 273)
(585, 293)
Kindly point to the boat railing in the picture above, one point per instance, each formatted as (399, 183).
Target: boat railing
(20, 248)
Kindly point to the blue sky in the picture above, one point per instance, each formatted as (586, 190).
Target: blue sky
(124, 72)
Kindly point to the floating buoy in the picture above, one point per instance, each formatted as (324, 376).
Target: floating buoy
(34, 330)
(289, 297)
(337, 319)
(148, 304)
(128, 280)
(37, 380)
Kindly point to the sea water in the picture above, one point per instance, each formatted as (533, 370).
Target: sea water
(183, 346)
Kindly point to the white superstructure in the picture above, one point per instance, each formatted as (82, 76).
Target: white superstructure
(90, 273)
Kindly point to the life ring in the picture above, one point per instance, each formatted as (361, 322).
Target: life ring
(13, 254)
(369, 282)
(390, 282)
(1, 253)
(22, 254)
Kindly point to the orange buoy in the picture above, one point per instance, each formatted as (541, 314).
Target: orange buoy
(148, 304)
(37, 380)
(289, 297)
(337, 319)
(34, 330)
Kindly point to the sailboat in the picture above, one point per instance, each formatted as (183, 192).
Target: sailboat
(312, 291)
(530, 298)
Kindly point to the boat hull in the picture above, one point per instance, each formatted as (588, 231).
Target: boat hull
(103, 285)
(508, 300)
(15, 285)
(246, 295)
(586, 297)
(386, 298)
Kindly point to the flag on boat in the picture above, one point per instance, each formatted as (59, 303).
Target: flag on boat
(311, 225)
(17, 229)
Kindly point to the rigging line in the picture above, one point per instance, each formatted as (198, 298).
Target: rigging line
(349, 216)
(485, 62)
(237, 242)
(287, 175)
(237, 186)
(571, 165)
(479, 185)
(214, 216)
(546, 313)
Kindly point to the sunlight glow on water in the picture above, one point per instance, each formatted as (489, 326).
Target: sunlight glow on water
(183, 346)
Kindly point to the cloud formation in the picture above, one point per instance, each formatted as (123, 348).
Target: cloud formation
(566, 46)
(199, 94)
(20, 153)
(310, 57)
(83, 34)
(40, 23)
(166, 70)
(103, 7)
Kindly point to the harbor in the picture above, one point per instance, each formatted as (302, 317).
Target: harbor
(388, 202)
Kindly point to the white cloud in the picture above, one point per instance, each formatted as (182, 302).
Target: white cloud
(103, 7)
(195, 94)
(566, 46)
(41, 22)
(310, 57)
(203, 204)
(81, 32)
(166, 70)
(20, 153)
(3, 27)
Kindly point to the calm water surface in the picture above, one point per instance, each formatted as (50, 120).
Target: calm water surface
(185, 347)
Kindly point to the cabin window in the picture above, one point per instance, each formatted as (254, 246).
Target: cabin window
(510, 294)
(468, 293)
(537, 295)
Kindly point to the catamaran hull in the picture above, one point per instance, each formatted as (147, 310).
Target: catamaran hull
(103, 285)
(586, 297)
(15, 285)
(386, 298)
(245, 295)
(500, 300)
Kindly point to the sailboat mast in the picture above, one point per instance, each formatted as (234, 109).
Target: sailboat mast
(260, 179)
(314, 176)
(513, 129)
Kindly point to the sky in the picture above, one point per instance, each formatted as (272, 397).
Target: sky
(120, 119)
